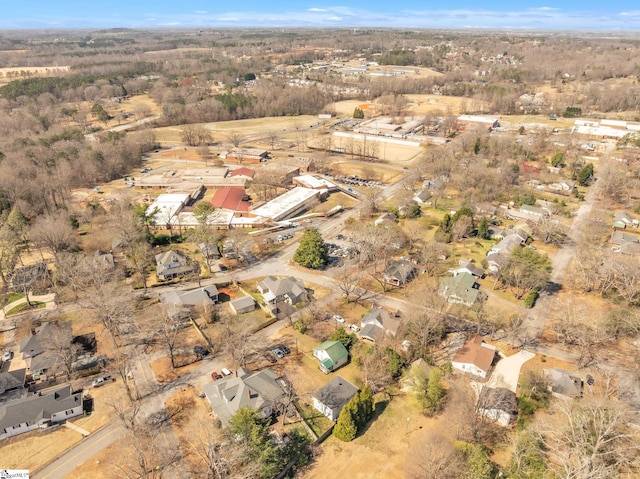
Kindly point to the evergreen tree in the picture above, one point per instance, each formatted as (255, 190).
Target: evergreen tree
(586, 175)
(312, 252)
(483, 229)
(346, 428)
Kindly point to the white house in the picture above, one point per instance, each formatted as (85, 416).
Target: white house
(39, 410)
(474, 357)
(331, 398)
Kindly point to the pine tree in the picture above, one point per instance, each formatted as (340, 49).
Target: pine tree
(346, 428)
(312, 252)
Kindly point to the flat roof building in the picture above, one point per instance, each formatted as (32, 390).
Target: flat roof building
(289, 204)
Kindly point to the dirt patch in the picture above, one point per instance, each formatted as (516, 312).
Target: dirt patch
(102, 465)
(163, 371)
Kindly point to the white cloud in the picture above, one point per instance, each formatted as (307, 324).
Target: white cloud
(313, 9)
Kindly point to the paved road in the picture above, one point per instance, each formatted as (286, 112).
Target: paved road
(548, 302)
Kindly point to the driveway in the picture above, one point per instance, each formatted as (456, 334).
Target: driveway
(507, 371)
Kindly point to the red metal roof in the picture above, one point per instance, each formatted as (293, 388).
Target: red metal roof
(243, 171)
(231, 198)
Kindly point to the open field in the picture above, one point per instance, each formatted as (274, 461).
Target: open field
(251, 129)
(423, 104)
(374, 171)
(8, 74)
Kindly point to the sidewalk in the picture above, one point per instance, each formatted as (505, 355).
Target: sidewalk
(47, 299)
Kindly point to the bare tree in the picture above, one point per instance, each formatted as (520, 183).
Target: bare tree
(593, 440)
(350, 283)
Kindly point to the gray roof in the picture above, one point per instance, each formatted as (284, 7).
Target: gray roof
(38, 342)
(166, 260)
(12, 380)
(209, 250)
(336, 393)
(400, 270)
(382, 319)
(502, 399)
(39, 406)
(192, 297)
(372, 331)
(259, 390)
(292, 287)
(564, 383)
(243, 302)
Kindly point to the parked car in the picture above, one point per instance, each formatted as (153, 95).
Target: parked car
(216, 375)
(338, 318)
(353, 327)
(101, 381)
(284, 349)
(200, 351)
(278, 353)
(7, 356)
(226, 372)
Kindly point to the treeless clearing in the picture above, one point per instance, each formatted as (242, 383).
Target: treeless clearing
(34, 449)
(248, 128)
(163, 371)
(100, 466)
(8, 74)
(386, 449)
(375, 171)
(424, 104)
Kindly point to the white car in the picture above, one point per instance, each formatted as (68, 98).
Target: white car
(353, 327)
(338, 318)
(96, 383)
(7, 356)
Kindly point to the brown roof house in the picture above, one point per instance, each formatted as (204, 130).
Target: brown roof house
(331, 398)
(474, 357)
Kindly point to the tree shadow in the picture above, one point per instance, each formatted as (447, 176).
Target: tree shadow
(380, 406)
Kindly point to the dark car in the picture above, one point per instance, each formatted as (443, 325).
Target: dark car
(216, 375)
(278, 353)
(284, 349)
(200, 351)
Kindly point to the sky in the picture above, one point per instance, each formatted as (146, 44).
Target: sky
(504, 14)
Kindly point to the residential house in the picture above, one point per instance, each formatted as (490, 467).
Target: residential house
(173, 264)
(210, 251)
(530, 213)
(459, 289)
(289, 290)
(178, 304)
(497, 256)
(241, 305)
(422, 196)
(466, 266)
(498, 404)
(385, 219)
(12, 380)
(474, 357)
(260, 390)
(25, 277)
(378, 322)
(622, 219)
(399, 272)
(332, 355)
(625, 243)
(38, 350)
(331, 398)
(39, 411)
(564, 383)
